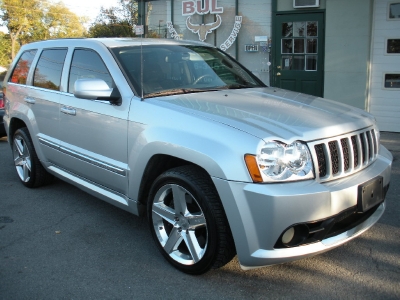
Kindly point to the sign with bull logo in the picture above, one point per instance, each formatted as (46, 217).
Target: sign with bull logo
(202, 7)
(189, 8)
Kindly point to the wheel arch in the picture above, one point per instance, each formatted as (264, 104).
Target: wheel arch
(15, 124)
(158, 164)
(160, 148)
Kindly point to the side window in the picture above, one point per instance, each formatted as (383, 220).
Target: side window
(20, 73)
(49, 68)
(87, 64)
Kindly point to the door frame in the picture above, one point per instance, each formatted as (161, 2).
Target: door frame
(273, 69)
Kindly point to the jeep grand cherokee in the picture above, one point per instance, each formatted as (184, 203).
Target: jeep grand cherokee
(182, 133)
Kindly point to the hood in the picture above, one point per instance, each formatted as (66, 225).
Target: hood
(270, 113)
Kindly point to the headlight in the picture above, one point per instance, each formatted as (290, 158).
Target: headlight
(276, 162)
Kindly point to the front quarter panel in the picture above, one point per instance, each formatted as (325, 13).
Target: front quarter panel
(217, 148)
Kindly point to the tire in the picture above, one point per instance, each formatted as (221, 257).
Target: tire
(29, 169)
(188, 222)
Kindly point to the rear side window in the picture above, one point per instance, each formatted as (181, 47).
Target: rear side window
(20, 73)
(87, 64)
(49, 68)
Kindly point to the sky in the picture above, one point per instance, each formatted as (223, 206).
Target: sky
(87, 8)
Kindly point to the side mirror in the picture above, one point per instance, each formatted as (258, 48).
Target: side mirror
(96, 89)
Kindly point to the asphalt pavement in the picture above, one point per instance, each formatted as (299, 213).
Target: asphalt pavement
(57, 242)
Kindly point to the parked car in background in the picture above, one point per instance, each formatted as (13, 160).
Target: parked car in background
(181, 132)
(2, 129)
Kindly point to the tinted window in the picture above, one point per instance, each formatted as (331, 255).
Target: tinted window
(87, 64)
(20, 73)
(49, 68)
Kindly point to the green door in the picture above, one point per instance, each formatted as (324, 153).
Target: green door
(299, 49)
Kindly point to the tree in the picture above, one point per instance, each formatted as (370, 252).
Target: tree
(116, 21)
(5, 49)
(116, 29)
(32, 20)
(62, 23)
(18, 16)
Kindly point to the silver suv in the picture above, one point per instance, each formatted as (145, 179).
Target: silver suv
(182, 133)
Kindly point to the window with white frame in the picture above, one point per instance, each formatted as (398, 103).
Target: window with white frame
(392, 81)
(394, 11)
(393, 46)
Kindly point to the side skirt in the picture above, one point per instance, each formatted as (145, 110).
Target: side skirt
(100, 192)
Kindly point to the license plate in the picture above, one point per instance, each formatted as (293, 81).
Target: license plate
(370, 194)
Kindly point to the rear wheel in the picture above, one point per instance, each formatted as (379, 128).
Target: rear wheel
(188, 222)
(29, 169)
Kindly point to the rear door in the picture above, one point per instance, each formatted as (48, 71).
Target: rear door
(44, 97)
(39, 91)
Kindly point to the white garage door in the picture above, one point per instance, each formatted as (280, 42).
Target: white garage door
(384, 97)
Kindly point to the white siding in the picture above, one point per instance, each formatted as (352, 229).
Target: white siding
(384, 103)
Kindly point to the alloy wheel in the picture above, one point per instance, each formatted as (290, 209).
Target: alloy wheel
(22, 159)
(179, 224)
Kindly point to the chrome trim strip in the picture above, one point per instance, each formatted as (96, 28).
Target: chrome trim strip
(85, 158)
(93, 161)
(49, 144)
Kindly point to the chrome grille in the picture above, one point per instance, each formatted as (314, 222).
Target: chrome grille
(344, 155)
(319, 149)
(355, 151)
(333, 149)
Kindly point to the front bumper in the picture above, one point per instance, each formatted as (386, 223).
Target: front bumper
(258, 214)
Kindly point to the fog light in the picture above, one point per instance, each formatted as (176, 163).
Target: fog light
(288, 236)
(295, 235)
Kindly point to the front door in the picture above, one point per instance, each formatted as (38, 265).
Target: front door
(93, 134)
(299, 48)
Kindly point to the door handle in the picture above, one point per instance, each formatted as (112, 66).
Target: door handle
(30, 100)
(278, 74)
(68, 111)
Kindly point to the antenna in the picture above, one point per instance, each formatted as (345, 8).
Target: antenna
(141, 64)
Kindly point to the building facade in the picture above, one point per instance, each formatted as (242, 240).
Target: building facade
(344, 50)
(384, 81)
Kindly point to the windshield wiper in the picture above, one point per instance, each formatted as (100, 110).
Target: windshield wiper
(164, 93)
(177, 92)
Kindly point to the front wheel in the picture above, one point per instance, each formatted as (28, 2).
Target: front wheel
(188, 222)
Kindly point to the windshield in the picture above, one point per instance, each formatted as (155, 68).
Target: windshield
(176, 69)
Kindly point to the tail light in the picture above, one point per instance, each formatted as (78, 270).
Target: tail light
(2, 94)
